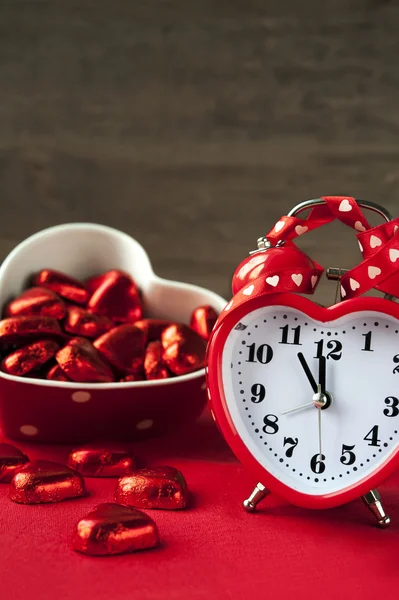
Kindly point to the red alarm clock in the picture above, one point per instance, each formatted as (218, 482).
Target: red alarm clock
(307, 397)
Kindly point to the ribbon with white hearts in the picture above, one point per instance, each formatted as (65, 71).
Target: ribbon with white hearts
(380, 267)
(300, 280)
(343, 208)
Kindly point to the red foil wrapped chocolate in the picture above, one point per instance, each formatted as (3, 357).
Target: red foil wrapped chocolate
(157, 487)
(102, 460)
(81, 322)
(81, 362)
(18, 330)
(65, 286)
(117, 298)
(154, 366)
(56, 374)
(153, 328)
(184, 349)
(123, 347)
(202, 321)
(41, 481)
(36, 301)
(113, 529)
(11, 459)
(30, 358)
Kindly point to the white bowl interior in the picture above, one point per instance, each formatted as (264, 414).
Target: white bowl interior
(85, 249)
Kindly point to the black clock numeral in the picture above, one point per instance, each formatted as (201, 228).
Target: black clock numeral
(262, 354)
(392, 410)
(292, 443)
(372, 436)
(317, 463)
(258, 392)
(270, 426)
(285, 335)
(396, 361)
(348, 457)
(334, 346)
(367, 342)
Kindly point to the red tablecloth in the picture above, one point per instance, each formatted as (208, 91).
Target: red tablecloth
(214, 550)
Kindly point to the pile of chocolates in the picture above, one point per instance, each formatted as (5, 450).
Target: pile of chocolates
(96, 331)
(110, 528)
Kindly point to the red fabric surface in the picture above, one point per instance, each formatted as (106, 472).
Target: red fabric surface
(213, 550)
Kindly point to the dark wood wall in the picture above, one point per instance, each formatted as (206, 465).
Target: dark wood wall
(194, 125)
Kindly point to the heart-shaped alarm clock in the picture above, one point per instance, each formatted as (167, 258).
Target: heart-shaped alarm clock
(307, 396)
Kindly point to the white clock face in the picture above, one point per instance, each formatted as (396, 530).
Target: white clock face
(271, 365)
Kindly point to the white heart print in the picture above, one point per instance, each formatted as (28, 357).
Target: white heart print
(361, 248)
(273, 281)
(359, 226)
(300, 229)
(373, 272)
(393, 255)
(313, 280)
(278, 226)
(345, 206)
(297, 278)
(343, 293)
(375, 241)
(229, 305)
(248, 291)
(354, 284)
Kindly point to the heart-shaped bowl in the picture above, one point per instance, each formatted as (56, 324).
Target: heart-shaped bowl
(51, 411)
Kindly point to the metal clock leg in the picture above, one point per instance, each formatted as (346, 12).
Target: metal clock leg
(373, 502)
(257, 496)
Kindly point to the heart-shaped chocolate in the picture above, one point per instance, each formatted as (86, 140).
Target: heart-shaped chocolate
(30, 358)
(36, 301)
(79, 321)
(41, 481)
(157, 487)
(65, 286)
(153, 328)
(117, 298)
(11, 459)
(81, 362)
(102, 460)
(56, 374)
(184, 349)
(154, 366)
(203, 319)
(123, 347)
(113, 529)
(18, 330)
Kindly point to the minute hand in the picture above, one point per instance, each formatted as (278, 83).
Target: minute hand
(308, 372)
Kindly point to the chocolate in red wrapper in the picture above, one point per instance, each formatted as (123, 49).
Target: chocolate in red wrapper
(102, 460)
(154, 366)
(18, 330)
(93, 283)
(29, 358)
(11, 459)
(81, 322)
(133, 377)
(113, 529)
(81, 362)
(36, 301)
(123, 347)
(117, 298)
(153, 328)
(202, 321)
(65, 286)
(184, 349)
(41, 481)
(56, 374)
(157, 487)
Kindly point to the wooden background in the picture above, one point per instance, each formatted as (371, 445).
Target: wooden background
(194, 125)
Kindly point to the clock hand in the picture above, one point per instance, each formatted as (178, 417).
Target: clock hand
(291, 410)
(308, 372)
(322, 375)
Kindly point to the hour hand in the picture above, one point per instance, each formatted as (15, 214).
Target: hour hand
(308, 372)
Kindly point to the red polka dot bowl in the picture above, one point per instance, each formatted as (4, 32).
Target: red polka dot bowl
(63, 412)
